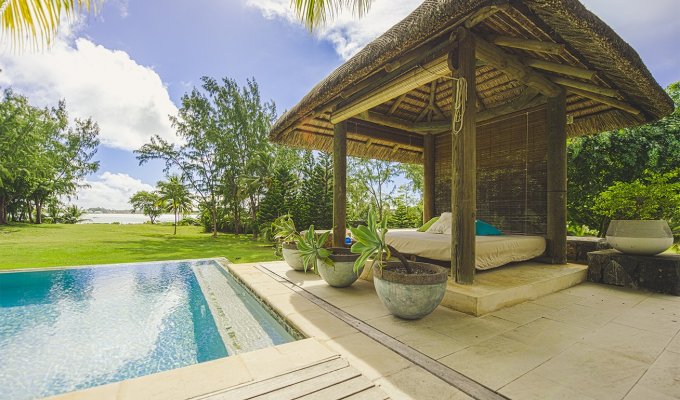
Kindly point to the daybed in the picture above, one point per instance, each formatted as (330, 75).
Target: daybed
(490, 251)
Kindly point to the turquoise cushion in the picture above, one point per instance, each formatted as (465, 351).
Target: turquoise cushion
(484, 229)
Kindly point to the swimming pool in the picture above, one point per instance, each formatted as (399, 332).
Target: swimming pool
(70, 329)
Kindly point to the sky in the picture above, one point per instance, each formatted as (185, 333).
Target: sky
(128, 66)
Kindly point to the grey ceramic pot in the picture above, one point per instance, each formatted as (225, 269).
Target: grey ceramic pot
(292, 256)
(341, 273)
(410, 296)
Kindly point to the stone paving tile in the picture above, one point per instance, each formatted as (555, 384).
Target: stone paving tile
(557, 300)
(664, 375)
(674, 345)
(416, 383)
(104, 392)
(583, 316)
(522, 313)
(369, 309)
(639, 392)
(495, 362)
(655, 322)
(476, 330)
(641, 345)
(431, 343)
(535, 387)
(320, 324)
(659, 305)
(598, 373)
(290, 303)
(277, 360)
(394, 326)
(370, 357)
(546, 335)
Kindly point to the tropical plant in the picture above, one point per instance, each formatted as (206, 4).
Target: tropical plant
(311, 246)
(314, 13)
(72, 215)
(370, 243)
(176, 197)
(284, 229)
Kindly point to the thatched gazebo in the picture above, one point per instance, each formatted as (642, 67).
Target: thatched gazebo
(518, 77)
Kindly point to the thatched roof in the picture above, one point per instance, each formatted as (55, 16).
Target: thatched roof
(588, 44)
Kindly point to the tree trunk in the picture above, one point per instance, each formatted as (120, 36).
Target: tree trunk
(213, 213)
(176, 216)
(38, 211)
(3, 210)
(30, 211)
(253, 213)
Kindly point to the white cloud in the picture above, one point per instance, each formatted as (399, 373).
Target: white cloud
(347, 33)
(128, 100)
(109, 190)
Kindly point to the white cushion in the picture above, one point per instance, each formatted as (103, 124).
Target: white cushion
(443, 224)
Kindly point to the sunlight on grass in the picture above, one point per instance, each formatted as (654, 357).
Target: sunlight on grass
(26, 246)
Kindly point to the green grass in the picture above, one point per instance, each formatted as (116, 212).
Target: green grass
(26, 246)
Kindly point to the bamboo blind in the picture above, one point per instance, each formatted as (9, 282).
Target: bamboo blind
(511, 173)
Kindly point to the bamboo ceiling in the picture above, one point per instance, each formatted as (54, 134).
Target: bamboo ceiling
(556, 42)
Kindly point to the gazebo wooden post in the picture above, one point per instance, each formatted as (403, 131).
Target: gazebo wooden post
(557, 177)
(428, 178)
(462, 63)
(339, 184)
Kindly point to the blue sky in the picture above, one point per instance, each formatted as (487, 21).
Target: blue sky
(128, 66)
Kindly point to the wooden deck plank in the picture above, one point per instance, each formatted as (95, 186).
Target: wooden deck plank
(312, 385)
(259, 388)
(341, 390)
(373, 393)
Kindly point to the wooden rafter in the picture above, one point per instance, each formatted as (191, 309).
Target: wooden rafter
(606, 100)
(588, 87)
(570, 70)
(528, 44)
(485, 13)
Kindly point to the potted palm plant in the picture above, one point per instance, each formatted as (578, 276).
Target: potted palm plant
(287, 236)
(409, 290)
(334, 264)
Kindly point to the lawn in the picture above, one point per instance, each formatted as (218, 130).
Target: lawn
(25, 246)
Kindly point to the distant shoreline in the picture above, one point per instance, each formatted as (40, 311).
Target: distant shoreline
(125, 218)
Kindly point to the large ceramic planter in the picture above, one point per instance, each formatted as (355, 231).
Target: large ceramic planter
(341, 273)
(640, 237)
(410, 296)
(292, 256)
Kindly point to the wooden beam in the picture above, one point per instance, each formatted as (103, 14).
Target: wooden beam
(606, 100)
(396, 104)
(463, 166)
(381, 119)
(570, 70)
(339, 184)
(529, 98)
(528, 44)
(556, 124)
(514, 68)
(588, 87)
(383, 133)
(416, 77)
(428, 178)
(483, 14)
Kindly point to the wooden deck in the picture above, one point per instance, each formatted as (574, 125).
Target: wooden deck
(330, 379)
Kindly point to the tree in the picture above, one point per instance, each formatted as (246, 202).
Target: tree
(38, 20)
(176, 197)
(149, 203)
(596, 162)
(372, 178)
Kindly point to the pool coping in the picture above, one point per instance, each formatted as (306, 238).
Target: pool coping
(59, 268)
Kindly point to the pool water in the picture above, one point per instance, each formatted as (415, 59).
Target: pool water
(70, 329)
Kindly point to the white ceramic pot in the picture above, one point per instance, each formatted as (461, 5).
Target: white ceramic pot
(292, 256)
(640, 237)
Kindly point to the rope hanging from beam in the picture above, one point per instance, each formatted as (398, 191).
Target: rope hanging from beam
(459, 100)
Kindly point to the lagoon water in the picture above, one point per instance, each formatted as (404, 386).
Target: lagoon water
(124, 218)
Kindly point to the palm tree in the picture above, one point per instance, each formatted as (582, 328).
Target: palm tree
(38, 20)
(314, 13)
(176, 196)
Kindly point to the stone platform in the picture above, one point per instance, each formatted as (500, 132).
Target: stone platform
(578, 247)
(511, 284)
(660, 273)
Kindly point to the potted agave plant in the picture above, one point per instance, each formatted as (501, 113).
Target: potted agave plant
(287, 236)
(335, 264)
(409, 290)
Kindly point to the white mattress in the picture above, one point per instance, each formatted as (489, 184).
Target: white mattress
(490, 251)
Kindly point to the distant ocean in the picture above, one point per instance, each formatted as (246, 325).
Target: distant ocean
(124, 218)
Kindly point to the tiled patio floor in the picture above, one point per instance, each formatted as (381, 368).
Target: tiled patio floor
(586, 342)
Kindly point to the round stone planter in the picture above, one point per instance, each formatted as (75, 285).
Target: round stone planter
(640, 237)
(410, 296)
(341, 273)
(292, 256)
